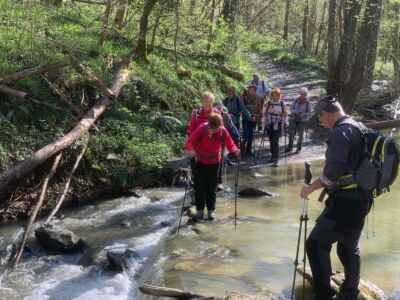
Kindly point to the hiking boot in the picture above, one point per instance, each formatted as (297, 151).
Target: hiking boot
(219, 188)
(347, 294)
(198, 216)
(211, 215)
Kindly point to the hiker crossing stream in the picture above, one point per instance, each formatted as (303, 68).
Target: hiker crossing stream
(208, 257)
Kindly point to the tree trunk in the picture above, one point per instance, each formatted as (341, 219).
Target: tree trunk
(141, 50)
(33, 215)
(371, 58)
(304, 31)
(37, 158)
(106, 17)
(331, 46)
(344, 59)
(211, 28)
(120, 14)
(321, 27)
(176, 32)
(312, 23)
(58, 3)
(192, 7)
(370, 24)
(155, 28)
(229, 11)
(286, 26)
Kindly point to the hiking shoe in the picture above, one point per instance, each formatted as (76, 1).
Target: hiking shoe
(347, 294)
(198, 215)
(272, 161)
(219, 188)
(211, 215)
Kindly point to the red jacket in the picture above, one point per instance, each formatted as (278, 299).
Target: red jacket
(199, 117)
(208, 149)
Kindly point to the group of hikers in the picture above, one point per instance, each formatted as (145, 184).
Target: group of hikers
(215, 126)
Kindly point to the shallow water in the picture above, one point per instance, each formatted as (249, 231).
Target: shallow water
(208, 258)
(258, 255)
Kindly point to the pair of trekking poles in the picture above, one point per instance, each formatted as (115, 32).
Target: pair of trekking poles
(189, 187)
(303, 218)
(262, 144)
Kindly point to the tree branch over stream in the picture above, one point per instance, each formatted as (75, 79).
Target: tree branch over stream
(81, 128)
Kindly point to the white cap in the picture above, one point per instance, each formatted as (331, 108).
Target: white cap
(304, 90)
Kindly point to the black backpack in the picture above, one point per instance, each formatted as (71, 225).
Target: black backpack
(379, 162)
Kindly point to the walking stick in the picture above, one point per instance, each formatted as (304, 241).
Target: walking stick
(188, 184)
(253, 140)
(303, 217)
(261, 145)
(236, 187)
(285, 127)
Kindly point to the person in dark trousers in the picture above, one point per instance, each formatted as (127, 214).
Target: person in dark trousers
(343, 218)
(253, 104)
(275, 119)
(300, 112)
(262, 91)
(205, 145)
(235, 106)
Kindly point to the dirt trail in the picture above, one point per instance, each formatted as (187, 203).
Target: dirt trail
(290, 83)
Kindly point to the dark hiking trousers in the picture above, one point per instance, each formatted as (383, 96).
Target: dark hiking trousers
(205, 183)
(248, 134)
(341, 221)
(296, 127)
(274, 136)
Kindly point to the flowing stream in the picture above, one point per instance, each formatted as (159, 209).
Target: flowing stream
(209, 257)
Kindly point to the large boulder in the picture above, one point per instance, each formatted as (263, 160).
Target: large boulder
(58, 239)
(254, 192)
(123, 260)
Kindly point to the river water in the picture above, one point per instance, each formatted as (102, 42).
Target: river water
(207, 258)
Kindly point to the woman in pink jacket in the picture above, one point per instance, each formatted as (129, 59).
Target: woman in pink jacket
(205, 145)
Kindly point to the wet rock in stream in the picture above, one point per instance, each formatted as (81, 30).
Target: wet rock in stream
(254, 192)
(58, 239)
(123, 260)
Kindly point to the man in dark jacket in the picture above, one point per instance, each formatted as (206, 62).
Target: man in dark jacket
(343, 218)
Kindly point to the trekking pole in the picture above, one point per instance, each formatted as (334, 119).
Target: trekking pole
(261, 144)
(224, 167)
(188, 183)
(303, 217)
(253, 140)
(236, 187)
(285, 127)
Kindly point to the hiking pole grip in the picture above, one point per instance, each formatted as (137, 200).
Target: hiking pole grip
(308, 174)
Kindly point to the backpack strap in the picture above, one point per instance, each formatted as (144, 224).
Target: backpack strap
(203, 131)
(263, 85)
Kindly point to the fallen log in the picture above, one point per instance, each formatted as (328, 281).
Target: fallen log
(170, 292)
(13, 92)
(231, 73)
(95, 81)
(383, 124)
(91, 2)
(368, 290)
(35, 70)
(35, 212)
(35, 159)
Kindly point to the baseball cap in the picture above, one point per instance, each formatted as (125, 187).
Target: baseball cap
(323, 103)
